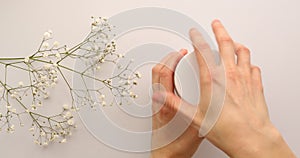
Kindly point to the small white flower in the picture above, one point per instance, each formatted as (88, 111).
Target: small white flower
(120, 56)
(26, 59)
(21, 84)
(50, 31)
(45, 45)
(101, 60)
(45, 144)
(14, 110)
(134, 82)
(46, 96)
(138, 75)
(43, 133)
(12, 127)
(31, 129)
(98, 67)
(58, 56)
(70, 122)
(68, 114)
(63, 140)
(45, 54)
(33, 107)
(53, 84)
(66, 107)
(8, 106)
(55, 44)
(102, 96)
(103, 103)
(36, 142)
(127, 82)
(47, 35)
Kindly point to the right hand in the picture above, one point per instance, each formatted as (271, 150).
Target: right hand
(243, 128)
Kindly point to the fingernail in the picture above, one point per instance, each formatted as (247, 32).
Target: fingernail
(216, 21)
(159, 97)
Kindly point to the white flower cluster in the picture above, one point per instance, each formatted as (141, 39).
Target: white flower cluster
(46, 66)
(60, 127)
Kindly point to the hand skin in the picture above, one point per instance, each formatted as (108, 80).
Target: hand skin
(244, 128)
(186, 144)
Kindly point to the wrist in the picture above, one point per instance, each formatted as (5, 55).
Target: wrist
(266, 143)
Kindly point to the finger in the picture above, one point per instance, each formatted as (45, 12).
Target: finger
(256, 77)
(173, 104)
(156, 69)
(226, 45)
(243, 56)
(200, 45)
(167, 72)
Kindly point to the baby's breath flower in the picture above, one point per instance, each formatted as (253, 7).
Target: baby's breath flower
(102, 96)
(55, 44)
(70, 122)
(31, 129)
(21, 84)
(47, 35)
(138, 75)
(26, 59)
(120, 56)
(50, 31)
(99, 51)
(14, 110)
(45, 144)
(45, 54)
(43, 133)
(63, 140)
(103, 103)
(36, 142)
(134, 82)
(33, 106)
(66, 107)
(45, 45)
(58, 56)
(68, 114)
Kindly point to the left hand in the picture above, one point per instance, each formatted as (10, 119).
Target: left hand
(186, 144)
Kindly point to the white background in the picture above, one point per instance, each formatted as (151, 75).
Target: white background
(269, 28)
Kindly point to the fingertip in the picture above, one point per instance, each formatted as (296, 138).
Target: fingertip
(193, 32)
(183, 52)
(215, 21)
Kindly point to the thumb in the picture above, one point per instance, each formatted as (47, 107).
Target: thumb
(170, 102)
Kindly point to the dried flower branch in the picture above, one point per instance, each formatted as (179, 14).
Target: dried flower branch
(46, 67)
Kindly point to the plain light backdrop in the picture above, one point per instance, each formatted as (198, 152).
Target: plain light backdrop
(269, 28)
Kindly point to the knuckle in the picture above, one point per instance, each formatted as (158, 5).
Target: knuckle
(204, 46)
(244, 50)
(156, 69)
(226, 40)
(165, 73)
(232, 73)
